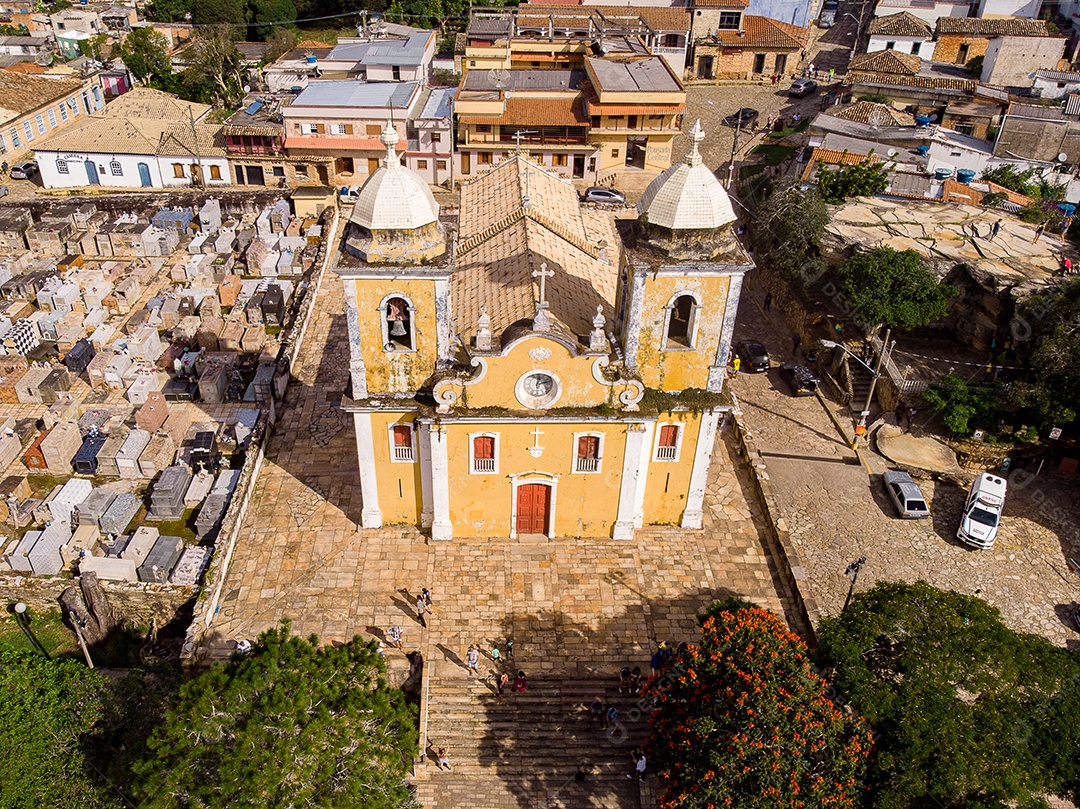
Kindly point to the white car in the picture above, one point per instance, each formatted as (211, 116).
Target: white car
(982, 512)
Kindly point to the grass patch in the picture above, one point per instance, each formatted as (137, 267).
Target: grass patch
(183, 527)
(791, 130)
(48, 628)
(773, 153)
(746, 172)
(328, 34)
(41, 485)
(273, 331)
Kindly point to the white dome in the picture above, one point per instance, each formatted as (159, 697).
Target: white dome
(394, 197)
(687, 196)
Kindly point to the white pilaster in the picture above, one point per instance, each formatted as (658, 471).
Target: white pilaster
(444, 337)
(441, 528)
(643, 477)
(424, 443)
(699, 477)
(718, 370)
(357, 370)
(636, 280)
(632, 474)
(371, 516)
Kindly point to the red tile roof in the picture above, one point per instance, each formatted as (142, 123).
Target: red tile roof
(764, 32)
(887, 62)
(904, 24)
(524, 111)
(992, 26)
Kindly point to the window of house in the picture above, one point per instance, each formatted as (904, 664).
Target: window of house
(614, 152)
(15, 141)
(965, 129)
(178, 170)
(680, 322)
(51, 113)
(63, 111)
(28, 131)
(421, 165)
(115, 169)
(279, 171)
(436, 137)
(667, 442)
(587, 448)
(395, 71)
(300, 169)
(483, 158)
(39, 122)
(61, 167)
(373, 130)
(440, 165)
(594, 122)
(483, 457)
(915, 46)
(472, 63)
(3, 145)
(397, 324)
(215, 172)
(558, 160)
(671, 41)
(309, 129)
(483, 129)
(730, 20)
(890, 45)
(401, 443)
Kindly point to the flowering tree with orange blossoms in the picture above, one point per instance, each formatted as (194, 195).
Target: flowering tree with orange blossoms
(742, 720)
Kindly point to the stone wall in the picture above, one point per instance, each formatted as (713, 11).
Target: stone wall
(137, 601)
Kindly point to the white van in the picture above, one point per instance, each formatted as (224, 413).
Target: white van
(982, 512)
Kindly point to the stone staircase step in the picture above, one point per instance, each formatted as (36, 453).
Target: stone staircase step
(452, 790)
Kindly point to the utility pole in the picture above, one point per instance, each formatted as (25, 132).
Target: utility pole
(853, 571)
(734, 148)
(886, 349)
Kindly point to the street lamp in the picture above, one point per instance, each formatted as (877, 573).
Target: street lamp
(79, 622)
(886, 353)
(22, 618)
(853, 571)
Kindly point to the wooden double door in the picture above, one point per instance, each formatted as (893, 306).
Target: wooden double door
(533, 508)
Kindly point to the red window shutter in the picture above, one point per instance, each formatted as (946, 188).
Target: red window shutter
(669, 434)
(402, 435)
(588, 446)
(484, 447)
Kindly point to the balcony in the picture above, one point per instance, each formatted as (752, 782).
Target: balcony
(587, 465)
(403, 454)
(667, 453)
(483, 465)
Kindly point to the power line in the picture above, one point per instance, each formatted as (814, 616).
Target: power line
(316, 19)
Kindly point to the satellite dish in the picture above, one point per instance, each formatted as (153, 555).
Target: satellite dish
(893, 153)
(500, 78)
(1063, 158)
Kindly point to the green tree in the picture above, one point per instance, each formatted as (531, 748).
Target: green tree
(291, 724)
(893, 287)
(786, 234)
(743, 720)
(1047, 338)
(1025, 181)
(265, 12)
(963, 708)
(860, 180)
(962, 406)
(47, 709)
(215, 74)
(282, 40)
(146, 54)
(219, 12)
(170, 10)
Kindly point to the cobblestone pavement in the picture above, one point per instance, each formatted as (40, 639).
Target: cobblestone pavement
(837, 513)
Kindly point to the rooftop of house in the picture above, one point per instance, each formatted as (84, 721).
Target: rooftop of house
(1067, 76)
(361, 94)
(660, 18)
(440, 104)
(649, 75)
(764, 32)
(890, 61)
(908, 70)
(868, 112)
(992, 26)
(20, 93)
(518, 80)
(259, 115)
(408, 52)
(526, 111)
(904, 24)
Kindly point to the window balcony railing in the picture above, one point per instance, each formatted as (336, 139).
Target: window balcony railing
(483, 464)
(403, 453)
(587, 465)
(666, 453)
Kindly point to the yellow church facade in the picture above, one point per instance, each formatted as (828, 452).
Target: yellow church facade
(538, 376)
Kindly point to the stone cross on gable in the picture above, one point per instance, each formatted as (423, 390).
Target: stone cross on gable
(543, 274)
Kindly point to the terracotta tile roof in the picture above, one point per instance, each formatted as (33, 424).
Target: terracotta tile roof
(763, 32)
(524, 111)
(833, 157)
(732, 4)
(501, 242)
(1013, 196)
(992, 27)
(19, 93)
(922, 82)
(887, 62)
(904, 24)
(661, 18)
(953, 191)
(867, 112)
(26, 68)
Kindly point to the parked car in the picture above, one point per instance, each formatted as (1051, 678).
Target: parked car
(350, 193)
(827, 17)
(982, 511)
(744, 118)
(607, 196)
(3, 190)
(905, 494)
(753, 357)
(800, 378)
(24, 171)
(800, 88)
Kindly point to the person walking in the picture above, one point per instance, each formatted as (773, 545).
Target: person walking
(736, 363)
(596, 710)
(472, 660)
(811, 71)
(639, 765)
(995, 230)
(425, 593)
(612, 718)
(510, 650)
(832, 74)
(1038, 232)
(421, 608)
(796, 341)
(767, 303)
(654, 663)
(394, 633)
(520, 683)
(442, 758)
(635, 680)
(624, 678)
(501, 683)
(495, 655)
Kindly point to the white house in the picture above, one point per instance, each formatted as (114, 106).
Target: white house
(431, 152)
(1007, 8)
(955, 151)
(1054, 83)
(145, 138)
(902, 32)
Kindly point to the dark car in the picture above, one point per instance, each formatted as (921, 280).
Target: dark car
(827, 17)
(800, 378)
(753, 357)
(604, 195)
(744, 118)
(24, 171)
(800, 88)
(905, 494)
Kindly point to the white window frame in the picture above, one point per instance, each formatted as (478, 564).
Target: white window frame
(28, 130)
(39, 122)
(62, 166)
(337, 129)
(395, 455)
(576, 465)
(309, 129)
(389, 346)
(116, 168)
(51, 113)
(664, 454)
(474, 469)
(692, 328)
(63, 111)
(16, 141)
(3, 144)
